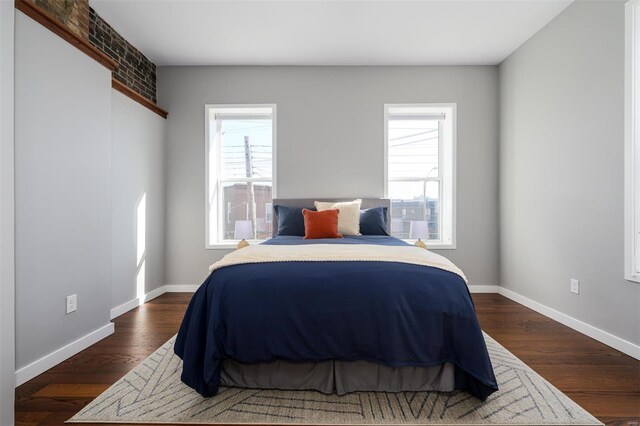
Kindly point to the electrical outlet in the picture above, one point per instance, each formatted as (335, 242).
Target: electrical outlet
(72, 303)
(575, 286)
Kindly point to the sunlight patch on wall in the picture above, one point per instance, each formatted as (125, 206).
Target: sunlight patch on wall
(141, 234)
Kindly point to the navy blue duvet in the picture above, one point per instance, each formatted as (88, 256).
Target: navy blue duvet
(392, 313)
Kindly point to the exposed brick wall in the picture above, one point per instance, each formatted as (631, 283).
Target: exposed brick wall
(134, 69)
(74, 14)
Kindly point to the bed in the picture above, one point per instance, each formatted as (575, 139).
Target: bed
(361, 313)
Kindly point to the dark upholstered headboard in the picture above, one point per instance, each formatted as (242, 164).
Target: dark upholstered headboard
(308, 203)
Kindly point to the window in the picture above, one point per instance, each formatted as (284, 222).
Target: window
(632, 142)
(419, 172)
(240, 146)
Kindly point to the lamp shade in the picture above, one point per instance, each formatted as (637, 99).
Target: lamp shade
(243, 230)
(419, 229)
(397, 226)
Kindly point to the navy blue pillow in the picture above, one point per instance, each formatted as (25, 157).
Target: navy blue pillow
(290, 220)
(373, 221)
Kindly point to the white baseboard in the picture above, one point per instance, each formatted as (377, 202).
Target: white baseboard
(483, 288)
(41, 365)
(134, 303)
(190, 288)
(181, 288)
(580, 326)
(595, 333)
(125, 307)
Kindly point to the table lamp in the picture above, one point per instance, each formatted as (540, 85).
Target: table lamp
(419, 229)
(243, 230)
(397, 226)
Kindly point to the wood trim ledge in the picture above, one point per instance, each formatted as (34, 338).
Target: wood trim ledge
(120, 87)
(49, 21)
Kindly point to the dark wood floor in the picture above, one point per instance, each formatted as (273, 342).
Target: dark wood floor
(602, 380)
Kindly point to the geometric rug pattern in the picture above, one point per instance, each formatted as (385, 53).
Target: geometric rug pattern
(153, 393)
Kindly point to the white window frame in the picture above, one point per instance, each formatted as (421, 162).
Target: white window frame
(452, 207)
(231, 244)
(632, 142)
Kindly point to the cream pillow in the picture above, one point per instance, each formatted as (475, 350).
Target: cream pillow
(349, 216)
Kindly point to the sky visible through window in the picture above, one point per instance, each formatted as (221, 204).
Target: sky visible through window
(259, 133)
(413, 153)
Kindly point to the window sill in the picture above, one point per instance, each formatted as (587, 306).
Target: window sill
(435, 245)
(232, 245)
(430, 246)
(633, 278)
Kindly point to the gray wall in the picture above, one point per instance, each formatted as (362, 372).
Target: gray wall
(561, 169)
(330, 144)
(137, 168)
(63, 191)
(7, 261)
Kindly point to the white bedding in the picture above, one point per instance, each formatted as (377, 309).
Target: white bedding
(342, 253)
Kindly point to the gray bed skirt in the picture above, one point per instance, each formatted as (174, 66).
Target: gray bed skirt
(339, 377)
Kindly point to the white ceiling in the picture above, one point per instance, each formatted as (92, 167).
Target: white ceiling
(321, 32)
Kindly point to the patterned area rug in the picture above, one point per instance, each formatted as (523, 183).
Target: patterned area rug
(153, 393)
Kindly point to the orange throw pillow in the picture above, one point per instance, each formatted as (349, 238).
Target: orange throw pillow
(322, 224)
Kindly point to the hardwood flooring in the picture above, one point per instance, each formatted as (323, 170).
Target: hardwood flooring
(602, 380)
